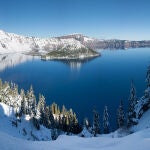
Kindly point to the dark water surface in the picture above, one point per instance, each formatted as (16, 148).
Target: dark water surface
(82, 85)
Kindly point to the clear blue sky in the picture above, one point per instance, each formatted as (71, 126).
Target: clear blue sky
(122, 19)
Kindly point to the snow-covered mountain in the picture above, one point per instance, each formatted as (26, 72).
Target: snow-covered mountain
(10, 42)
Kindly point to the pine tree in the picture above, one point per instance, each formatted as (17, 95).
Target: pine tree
(58, 110)
(60, 126)
(1, 84)
(54, 134)
(73, 125)
(36, 123)
(120, 116)
(31, 99)
(86, 127)
(63, 111)
(15, 90)
(147, 91)
(96, 123)
(106, 121)
(54, 108)
(86, 123)
(1, 93)
(132, 102)
(52, 120)
(54, 131)
(45, 117)
(23, 102)
(144, 102)
(41, 108)
(148, 77)
(64, 126)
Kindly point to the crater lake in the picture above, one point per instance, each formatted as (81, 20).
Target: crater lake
(82, 85)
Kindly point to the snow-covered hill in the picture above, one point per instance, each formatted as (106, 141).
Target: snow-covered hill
(24, 128)
(10, 42)
(20, 137)
(143, 123)
(138, 141)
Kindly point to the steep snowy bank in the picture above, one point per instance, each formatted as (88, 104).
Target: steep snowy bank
(143, 123)
(138, 141)
(12, 137)
(24, 128)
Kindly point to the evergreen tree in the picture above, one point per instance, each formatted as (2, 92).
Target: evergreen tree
(41, 108)
(86, 127)
(58, 110)
(54, 131)
(45, 117)
(60, 126)
(144, 102)
(36, 123)
(148, 77)
(73, 122)
(5, 85)
(96, 123)
(54, 108)
(86, 123)
(31, 99)
(132, 102)
(106, 121)
(23, 102)
(52, 120)
(15, 90)
(54, 134)
(120, 116)
(63, 111)
(64, 126)
(147, 91)
(1, 92)
(1, 84)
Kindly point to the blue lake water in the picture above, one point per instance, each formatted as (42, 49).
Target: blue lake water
(94, 83)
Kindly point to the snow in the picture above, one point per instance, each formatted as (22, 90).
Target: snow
(86, 39)
(144, 122)
(12, 43)
(138, 141)
(12, 137)
(25, 129)
(5, 110)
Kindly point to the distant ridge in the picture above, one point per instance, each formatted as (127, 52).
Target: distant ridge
(10, 43)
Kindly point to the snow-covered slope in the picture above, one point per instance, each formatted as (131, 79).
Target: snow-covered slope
(137, 141)
(143, 123)
(15, 138)
(24, 129)
(10, 43)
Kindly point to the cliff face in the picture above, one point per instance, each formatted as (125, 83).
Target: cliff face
(116, 44)
(93, 43)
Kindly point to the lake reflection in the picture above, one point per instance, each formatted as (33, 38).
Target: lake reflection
(11, 60)
(76, 64)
